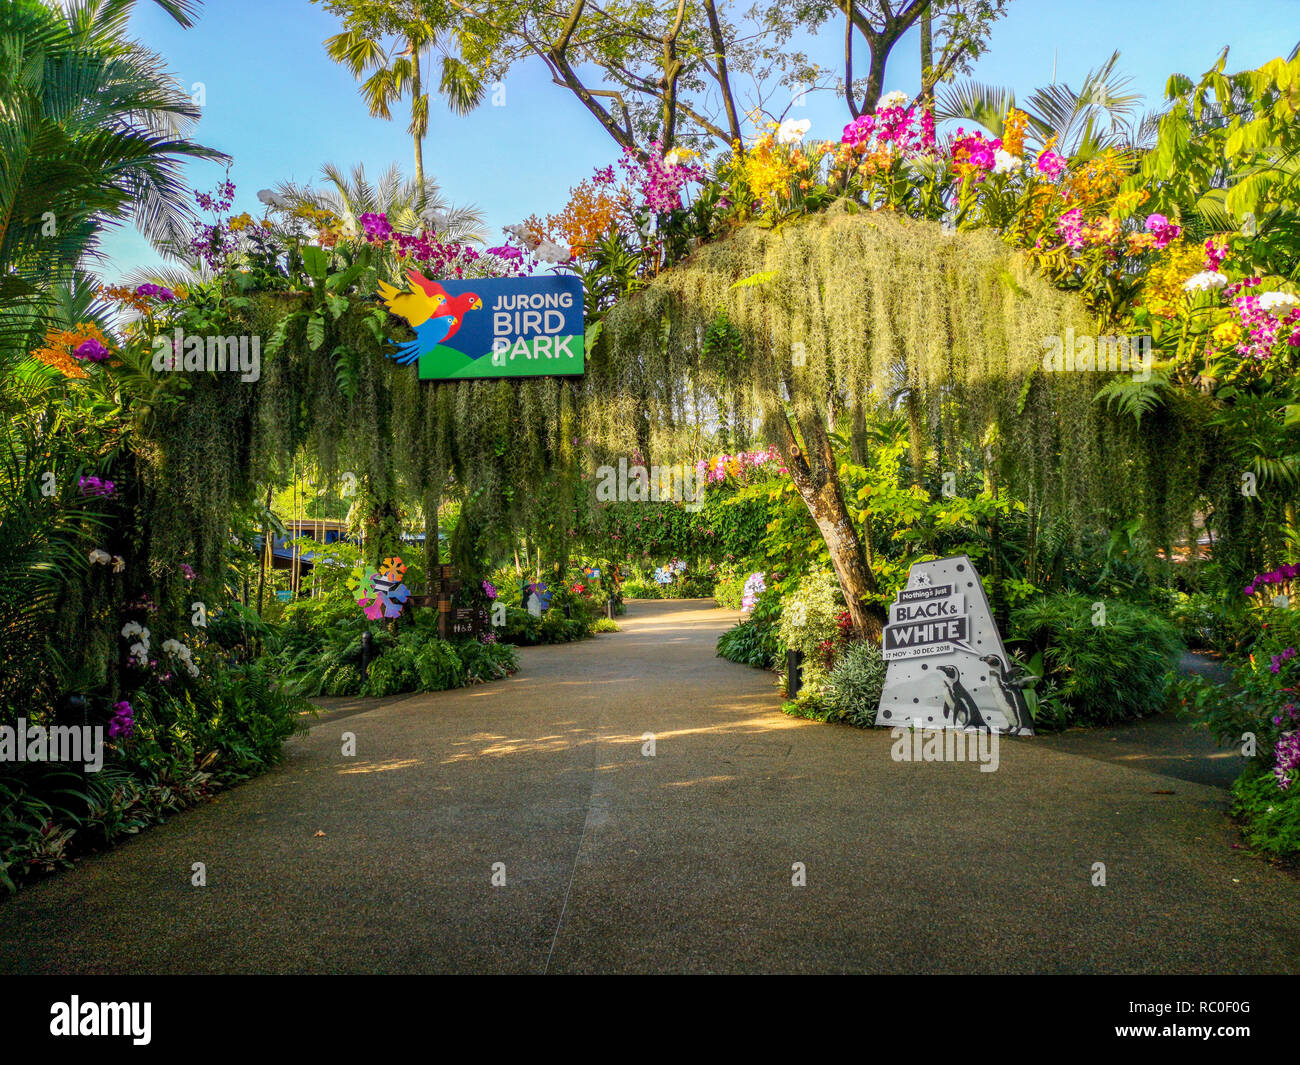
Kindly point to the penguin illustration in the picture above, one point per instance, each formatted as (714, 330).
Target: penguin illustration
(965, 713)
(1008, 698)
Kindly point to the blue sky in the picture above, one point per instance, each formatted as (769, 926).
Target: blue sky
(281, 108)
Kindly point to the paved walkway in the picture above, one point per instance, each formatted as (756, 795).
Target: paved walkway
(680, 862)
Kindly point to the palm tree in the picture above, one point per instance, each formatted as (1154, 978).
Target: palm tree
(396, 74)
(410, 205)
(92, 134)
(1101, 115)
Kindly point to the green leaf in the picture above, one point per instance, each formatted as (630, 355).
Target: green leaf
(316, 331)
(315, 261)
(760, 278)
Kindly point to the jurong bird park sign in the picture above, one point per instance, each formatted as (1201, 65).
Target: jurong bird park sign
(947, 665)
(490, 327)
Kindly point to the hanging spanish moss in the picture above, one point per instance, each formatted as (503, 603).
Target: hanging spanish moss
(838, 317)
(844, 312)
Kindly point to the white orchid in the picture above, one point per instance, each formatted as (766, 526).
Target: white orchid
(1205, 281)
(132, 628)
(171, 647)
(792, 131)
(892, 99)
(98, 557)
(271, 199)
(1277, 303)
(1004, 162)
(119, 564)
(552, 253)
(524, 235)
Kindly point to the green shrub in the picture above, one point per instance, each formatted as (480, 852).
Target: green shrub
(755, 641)
(750, 643)
(810, 704)
(634, 589)
(437, 666)
(809, 622)
(393, 672)
(1106, 672)
(730, 593)
(524, 629)
(1274, 632)
(191, 736)
(853, 687)
(344, 680)
(606, 625)
(1205, 623)
(486, 661)
(691, 586)
(1270, 816)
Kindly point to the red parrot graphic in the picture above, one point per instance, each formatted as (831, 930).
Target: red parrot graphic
(433, 314)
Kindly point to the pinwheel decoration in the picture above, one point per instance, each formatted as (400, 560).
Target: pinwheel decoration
(380, 593)
(394, 599)
(543, 595)
(360, 584)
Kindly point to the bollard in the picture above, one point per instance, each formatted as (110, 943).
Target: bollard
(609, 608)
(793, 673)
(367, 643)
(78, 707)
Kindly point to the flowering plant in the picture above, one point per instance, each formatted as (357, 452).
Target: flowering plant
(94, 486)
(123, 721)
(740, 466)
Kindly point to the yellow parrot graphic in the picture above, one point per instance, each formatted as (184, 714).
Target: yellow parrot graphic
(433, 315)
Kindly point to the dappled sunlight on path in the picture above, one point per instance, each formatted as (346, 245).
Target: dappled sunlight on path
(645, 802)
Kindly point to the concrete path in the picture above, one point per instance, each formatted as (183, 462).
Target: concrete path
(1163, 743)
(616, 862)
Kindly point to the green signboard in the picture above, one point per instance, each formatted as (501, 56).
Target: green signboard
(490, 327)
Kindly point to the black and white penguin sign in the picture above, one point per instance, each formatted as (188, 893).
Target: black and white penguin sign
(947, 665)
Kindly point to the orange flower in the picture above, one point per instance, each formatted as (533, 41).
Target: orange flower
(1013, 132)
(1097, 180)
(57, 349)
(126, 296)
(586, 218)
(1162, 290)
(1140, 242)
(1101, 230)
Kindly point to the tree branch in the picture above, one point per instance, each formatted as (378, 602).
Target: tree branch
(720, 75)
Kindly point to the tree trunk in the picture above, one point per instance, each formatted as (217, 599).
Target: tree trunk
(266, 551)
(430, 535)
(415, 95)
(927, 60)
(724, 79)
(916, 435)
(813, 470)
